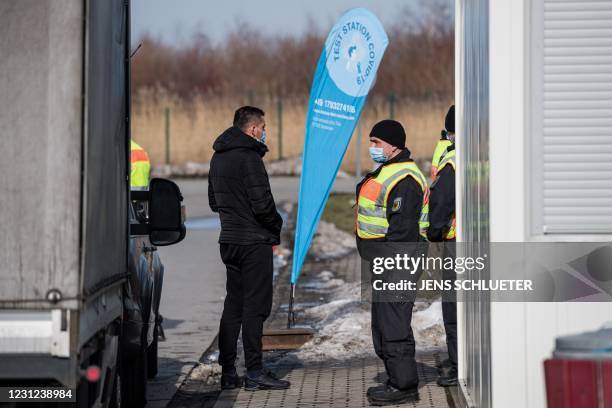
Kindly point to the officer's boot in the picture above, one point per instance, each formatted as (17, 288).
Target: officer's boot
(389, 395)
(450, 379)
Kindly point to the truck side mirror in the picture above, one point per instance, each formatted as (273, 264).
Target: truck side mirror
(166, 214)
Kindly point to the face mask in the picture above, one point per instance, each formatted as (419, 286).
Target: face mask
(263, 137)
(376, 153)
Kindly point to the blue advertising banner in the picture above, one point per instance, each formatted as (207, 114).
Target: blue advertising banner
(345, 73)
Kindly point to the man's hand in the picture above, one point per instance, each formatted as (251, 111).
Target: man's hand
(436, 234)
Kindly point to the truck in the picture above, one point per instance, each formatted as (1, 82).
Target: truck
(80, 277)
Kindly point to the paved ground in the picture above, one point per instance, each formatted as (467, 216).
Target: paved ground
(194, 285)
(337, 385)
(193, 292)
(194, 288)
(333, 383)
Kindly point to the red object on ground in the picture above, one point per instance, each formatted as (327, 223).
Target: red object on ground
(578, 383)
(92, 373)
(606, 381)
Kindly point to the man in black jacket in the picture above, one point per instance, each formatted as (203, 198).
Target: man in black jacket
(391, 202)
(239, 190)
(442, 229)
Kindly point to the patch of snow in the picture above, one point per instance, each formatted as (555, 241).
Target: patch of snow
(334, 283)
(209, 373)
(187, 169)
(428, 326)
(214, 356)
(287, 167)
(330, 242)
(343, 326)
(291, 166)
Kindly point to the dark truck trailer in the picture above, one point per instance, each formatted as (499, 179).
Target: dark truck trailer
(71, 278)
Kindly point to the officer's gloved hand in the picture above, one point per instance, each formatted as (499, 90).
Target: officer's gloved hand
(435, 234)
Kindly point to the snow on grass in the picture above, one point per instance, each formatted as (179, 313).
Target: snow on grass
(331, 242)
(343, 328)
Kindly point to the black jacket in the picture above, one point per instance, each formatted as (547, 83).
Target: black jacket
(441, 203)
(239, 190)
(403, 221)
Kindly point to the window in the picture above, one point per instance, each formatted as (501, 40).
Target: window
(571, 113)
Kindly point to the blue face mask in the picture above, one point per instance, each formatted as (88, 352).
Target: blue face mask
(263, 137)
(376, 153)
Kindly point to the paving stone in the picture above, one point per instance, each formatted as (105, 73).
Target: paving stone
(316, 384)
(320, 385)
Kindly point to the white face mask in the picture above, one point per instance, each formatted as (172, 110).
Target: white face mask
(262, 139)
(377, 154)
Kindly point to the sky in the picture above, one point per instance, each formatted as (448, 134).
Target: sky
(176, 21)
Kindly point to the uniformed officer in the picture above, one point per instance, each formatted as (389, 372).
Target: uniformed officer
(392, 206)
(140, 171)
(140, 167)
(442, 229)
(443, 143)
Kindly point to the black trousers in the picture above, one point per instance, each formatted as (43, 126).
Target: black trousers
(392, 334)
(247, 304)
(394, 342)
(449, 309)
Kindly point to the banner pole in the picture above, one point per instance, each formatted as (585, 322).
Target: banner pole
(291, 316)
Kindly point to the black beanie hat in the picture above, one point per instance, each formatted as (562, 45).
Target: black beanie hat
(449, 122)
(391, 131)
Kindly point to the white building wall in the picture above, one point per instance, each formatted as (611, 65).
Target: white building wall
(522, 334)
(507, 191)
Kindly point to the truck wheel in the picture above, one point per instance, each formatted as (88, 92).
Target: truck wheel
(133, 380)
(152, 354)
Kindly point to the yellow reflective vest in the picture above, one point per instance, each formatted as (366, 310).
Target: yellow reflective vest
(140, 166)
(437, 156)
(372, 220)
(448, 159)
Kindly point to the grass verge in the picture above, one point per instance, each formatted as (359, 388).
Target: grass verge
(340, 211)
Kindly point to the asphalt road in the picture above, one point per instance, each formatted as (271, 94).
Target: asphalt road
(195, 192)
(194, 285)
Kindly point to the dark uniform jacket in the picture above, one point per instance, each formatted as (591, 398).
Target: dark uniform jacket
(441, 203)
(403, 221)
(239, 190)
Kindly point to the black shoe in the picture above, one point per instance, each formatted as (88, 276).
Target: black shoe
(376, 388)
(230, 380)
(389, 395)
(450, 379)
(265, 381)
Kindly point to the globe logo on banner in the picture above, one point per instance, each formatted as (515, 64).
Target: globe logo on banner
(352, 55)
